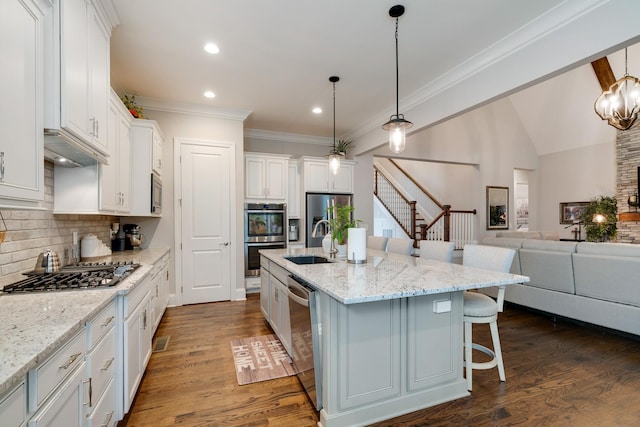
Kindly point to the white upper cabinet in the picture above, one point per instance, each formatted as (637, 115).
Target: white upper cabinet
(266, 177)
(115, 188)
(77, 78)
(318, 178)
(100, 188)
(146, 137)
(156, 153)
(21, 103)
(293, 201)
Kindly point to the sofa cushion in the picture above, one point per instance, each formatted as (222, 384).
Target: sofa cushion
(608, 271)
(549, 264)
(613, 249)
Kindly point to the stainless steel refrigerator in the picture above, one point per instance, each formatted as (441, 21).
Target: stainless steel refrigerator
(316, 210)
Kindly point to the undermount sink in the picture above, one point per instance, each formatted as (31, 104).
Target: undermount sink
(307, 259)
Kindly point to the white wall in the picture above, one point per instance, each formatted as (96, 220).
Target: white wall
(160, 233)
(574, 176)
(294, 149)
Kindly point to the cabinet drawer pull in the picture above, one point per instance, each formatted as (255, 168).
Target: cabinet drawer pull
(72, 359)
(107, 365)
(1, 166)
(107, 322)
(90, 392)
(107, 420)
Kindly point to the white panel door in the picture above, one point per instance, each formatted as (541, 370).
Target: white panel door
(206, 223)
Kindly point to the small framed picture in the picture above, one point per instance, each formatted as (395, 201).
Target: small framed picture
(571, 212)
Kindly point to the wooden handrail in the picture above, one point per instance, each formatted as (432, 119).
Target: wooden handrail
(429, 195)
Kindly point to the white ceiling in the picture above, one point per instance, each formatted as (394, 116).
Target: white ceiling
(276, 56)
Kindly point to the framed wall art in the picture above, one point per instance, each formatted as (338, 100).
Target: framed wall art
(571, 212)
(497, 208)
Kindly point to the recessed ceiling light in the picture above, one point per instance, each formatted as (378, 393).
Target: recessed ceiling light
(209, 94)
(211, 48)
(317, 110)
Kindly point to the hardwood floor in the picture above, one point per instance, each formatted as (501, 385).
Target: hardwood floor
(558, 374)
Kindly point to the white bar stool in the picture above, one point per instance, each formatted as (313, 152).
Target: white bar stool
(480, 308)
(437, 250)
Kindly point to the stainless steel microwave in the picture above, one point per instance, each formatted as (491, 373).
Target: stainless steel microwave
(156, 194)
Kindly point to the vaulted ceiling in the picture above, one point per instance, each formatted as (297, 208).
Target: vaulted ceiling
(276, 57)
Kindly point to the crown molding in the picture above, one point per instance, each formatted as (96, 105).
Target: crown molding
(287, 137)
(195, 109)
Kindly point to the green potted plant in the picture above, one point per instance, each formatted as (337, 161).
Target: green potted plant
(599, 219)
(342, 146)
(341, 220)
(130, 103)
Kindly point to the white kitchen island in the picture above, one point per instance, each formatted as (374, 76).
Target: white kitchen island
(391, 332)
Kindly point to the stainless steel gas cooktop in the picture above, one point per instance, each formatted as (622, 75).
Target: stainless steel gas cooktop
(74, 277)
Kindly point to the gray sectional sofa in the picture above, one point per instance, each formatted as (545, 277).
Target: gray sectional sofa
(598, 283)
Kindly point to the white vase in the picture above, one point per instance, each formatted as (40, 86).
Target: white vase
(342, 250)
(326, 243)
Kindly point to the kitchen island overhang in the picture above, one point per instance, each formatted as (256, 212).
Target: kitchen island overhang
(392, 328)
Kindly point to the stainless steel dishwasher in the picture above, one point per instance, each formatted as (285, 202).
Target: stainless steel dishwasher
(306, 344)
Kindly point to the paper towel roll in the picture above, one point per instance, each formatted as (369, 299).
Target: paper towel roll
(357, 245)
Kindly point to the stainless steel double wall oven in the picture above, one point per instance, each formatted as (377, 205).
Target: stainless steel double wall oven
(265, 227)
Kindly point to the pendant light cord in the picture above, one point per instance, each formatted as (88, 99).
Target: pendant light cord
(626, 73)
(334, 117)
(397, 75)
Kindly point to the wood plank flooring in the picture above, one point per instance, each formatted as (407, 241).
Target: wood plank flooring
(558, 374)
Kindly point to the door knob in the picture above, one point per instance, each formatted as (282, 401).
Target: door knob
(224, 244)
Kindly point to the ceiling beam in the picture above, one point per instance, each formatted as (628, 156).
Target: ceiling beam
(604, 73)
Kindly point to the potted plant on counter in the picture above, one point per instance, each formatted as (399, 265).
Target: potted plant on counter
(340, 220)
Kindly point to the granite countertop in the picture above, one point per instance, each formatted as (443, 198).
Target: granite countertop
(34, 325)
(387, 276)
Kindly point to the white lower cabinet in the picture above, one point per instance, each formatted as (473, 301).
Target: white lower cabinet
(264, 289)
(12, 407)
(104, 412)
(66, 407)
(274, 293)
(137, 341)
(56, 389)
(142, 309)
(76, 385)
(160, 290)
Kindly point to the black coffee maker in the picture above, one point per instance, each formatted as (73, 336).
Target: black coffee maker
(130, 229)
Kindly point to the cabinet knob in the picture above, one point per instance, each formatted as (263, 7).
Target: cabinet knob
(221, 244)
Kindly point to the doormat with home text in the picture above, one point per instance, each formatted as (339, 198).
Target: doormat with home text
(260, 358)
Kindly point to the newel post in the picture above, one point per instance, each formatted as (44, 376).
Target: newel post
(447, 223)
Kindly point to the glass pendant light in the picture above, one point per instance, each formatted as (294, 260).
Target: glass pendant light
(334, 156)
(397, 125)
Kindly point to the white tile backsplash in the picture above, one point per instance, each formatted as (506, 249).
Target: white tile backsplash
(31, 232)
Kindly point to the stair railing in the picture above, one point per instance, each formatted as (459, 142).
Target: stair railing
(400, 208)
(448, 225)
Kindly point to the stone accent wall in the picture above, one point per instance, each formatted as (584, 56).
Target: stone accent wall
(31, 232)
(628, 160)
